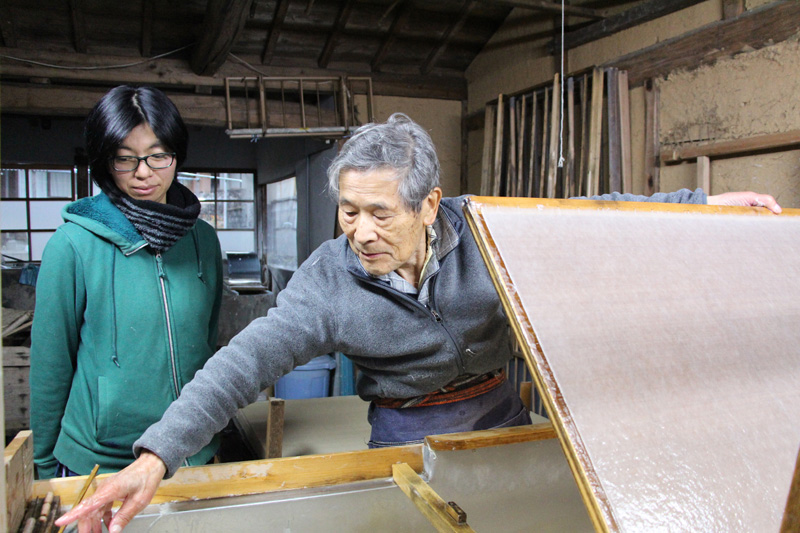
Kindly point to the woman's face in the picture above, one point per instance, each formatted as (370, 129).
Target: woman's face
(144, 183)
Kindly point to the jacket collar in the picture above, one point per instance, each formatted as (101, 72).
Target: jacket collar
(100, 216)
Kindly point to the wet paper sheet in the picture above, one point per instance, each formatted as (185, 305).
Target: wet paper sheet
(666, 342)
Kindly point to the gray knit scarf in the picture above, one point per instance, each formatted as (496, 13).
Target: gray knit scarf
(161, 225)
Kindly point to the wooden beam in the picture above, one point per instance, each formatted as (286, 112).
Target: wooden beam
(732, 8)
(429, 503)
(78, 26)
(652, 160)
(274, 439)
(148, 10)
(401, 15)
(548, 7)
(471, 440)
(595, 134)
(18, 460)
(759, 143)
(278, 17)
(166, 72)
(488, 150)
(626, 165)
(555, 139)
(222, 25)
(644, 12)
(704, 173)
(333, 37)
(255, 477)
(754, 29)
(454, 27)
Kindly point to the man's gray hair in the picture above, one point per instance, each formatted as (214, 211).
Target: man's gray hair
(400, 144)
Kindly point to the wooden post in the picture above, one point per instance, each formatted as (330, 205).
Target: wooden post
(488, 145)
(625, 132)
(464, 149)
(555, 139)
(595, 134)
(532, 158)
(19, 477)
(519, 185)
(545, 134)
(511, 163)
(582, 174)
(274, 441)
(569, 169)
(498, 148)
(704, 173)
(651, 141)
(614, 136)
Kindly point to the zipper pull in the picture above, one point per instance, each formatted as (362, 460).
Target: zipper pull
(436, 316)
(160, 263)
(115, 360)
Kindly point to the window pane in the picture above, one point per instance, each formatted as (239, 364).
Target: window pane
(48, 183)
(15, 245)
(14, 215)
(201, 184)
(235, 186)
(235, 215)
(46, 215)
(237, 241)
(38, 240)
(12, 184)
(207, 213)
(282, 224)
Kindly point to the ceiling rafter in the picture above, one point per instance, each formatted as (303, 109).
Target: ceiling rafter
(639, 14)
(78, 26)
(7, 28)
(223, 23)
(550, 7)
(148, 10)
(399, 17)
(333, 37)
(275, 28)
(447, 37)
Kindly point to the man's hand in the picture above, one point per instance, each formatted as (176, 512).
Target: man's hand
(746, 199)
(134, 487)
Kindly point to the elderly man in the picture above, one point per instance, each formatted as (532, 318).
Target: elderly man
(403, 292)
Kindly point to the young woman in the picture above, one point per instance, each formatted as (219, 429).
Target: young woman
(128, 294)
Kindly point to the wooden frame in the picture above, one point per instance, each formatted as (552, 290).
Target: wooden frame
(582, 450)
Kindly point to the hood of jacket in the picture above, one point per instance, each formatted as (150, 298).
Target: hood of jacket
(100, 216)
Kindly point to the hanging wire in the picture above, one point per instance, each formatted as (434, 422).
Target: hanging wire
(563, 82)
(102, 67)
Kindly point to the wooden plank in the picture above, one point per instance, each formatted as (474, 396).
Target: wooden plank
(639, 14)
(756, 28)
(549, 7)
(498, 147)
(545, 138)
(651, 139)
(520, 178)
(488, 145)
(274, 438)
(770, 142)
(401, 16)
(222, 25)
(511, 160)
(791, 516)
(426, 500)
(256, 477)
(614, 137)
(569, 168)
(18, 458)
(78, 26)
(451, 30)
(555, 138)
(595, 134)
(531, 183)
(472, 440)
(625, 133)
(704, 173)
(148, 10)
(582, 175)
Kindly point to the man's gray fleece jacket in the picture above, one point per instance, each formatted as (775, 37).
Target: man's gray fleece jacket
(402, 348)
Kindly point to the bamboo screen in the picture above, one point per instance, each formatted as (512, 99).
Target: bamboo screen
(665, 343)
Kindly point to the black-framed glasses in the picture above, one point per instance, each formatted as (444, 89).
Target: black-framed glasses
(128, 163)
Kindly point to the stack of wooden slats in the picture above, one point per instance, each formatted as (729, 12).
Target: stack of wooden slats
(40, 514)
(531, 150)
(16, 321)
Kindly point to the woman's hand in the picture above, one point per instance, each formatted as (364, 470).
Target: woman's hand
(134, 486)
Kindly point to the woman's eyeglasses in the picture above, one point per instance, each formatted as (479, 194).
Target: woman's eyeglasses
(128, 163)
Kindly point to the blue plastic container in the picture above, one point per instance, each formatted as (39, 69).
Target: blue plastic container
(311, 380)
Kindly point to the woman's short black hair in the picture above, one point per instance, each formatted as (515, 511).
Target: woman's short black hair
(116, 114)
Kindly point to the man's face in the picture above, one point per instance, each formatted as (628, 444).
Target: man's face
(384, 234)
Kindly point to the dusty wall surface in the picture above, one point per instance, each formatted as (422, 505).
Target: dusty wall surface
(751, 94)
(442, 120)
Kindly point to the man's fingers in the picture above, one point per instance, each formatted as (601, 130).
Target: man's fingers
(130, 508)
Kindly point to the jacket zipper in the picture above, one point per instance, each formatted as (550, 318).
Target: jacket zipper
(161, 277)
(428, 310)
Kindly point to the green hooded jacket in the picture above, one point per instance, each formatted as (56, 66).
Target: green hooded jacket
(118, 330)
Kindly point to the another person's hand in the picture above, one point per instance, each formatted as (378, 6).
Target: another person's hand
(745, 199)
(134, 487)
